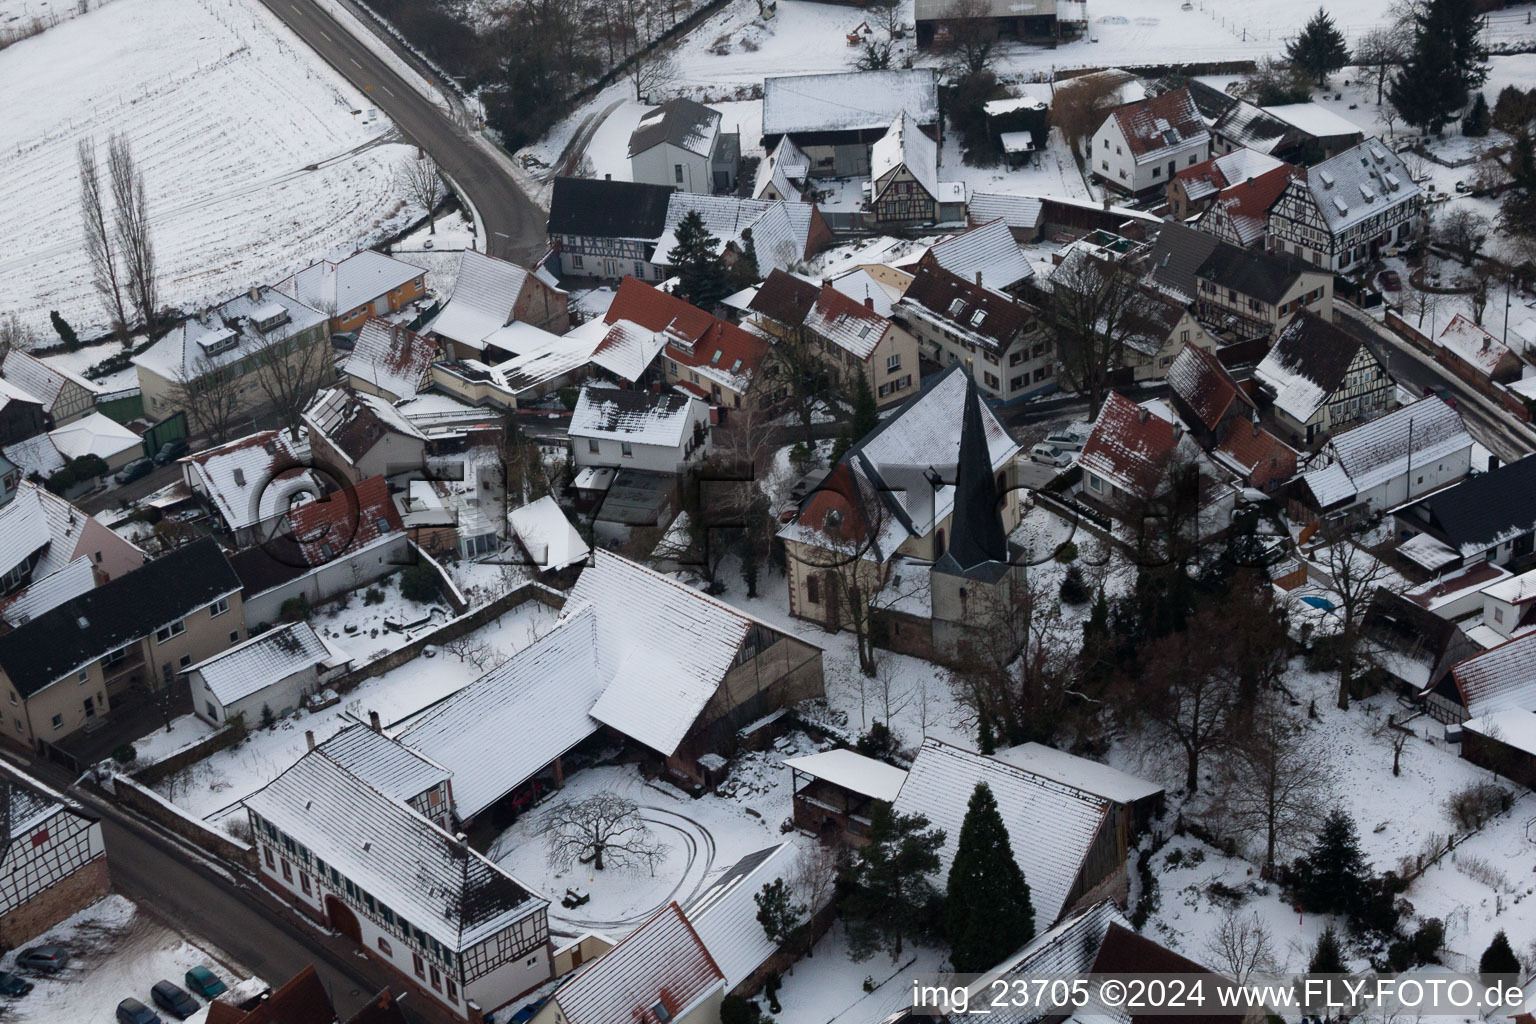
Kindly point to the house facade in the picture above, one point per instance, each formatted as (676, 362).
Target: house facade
(54, 861)
(271, 673)
(1348, 209)
(657, 433)
(681, 145)
(361, 436)
(1320, 378)
(65, 396)
(607, 229)
(1141, 146)
(129, 637)
(1002, 341)
(904, 178)
(1255, 294)
(365, 284)
(489, 294)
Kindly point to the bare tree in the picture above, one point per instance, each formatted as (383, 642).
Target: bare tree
(15, 335)
(1187, 688)
(813, 879)
(969, 37)
(290, 369)
(421, 183)
(886, 17)
(1241, 947)
(1275, 783)
(130, 210)
(1381, 51)
(600, 830)
(1095, 307)
(460, 646)
(1421, 302)
(1356, 576)
(1463, 231)
(100, 249)
(210, 394)
(650, 73)
(874, 55)
(1080, 106)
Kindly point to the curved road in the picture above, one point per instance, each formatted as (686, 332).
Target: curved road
(514, 226)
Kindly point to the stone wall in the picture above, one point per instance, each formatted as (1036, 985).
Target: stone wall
(72, 894)
(156, 808)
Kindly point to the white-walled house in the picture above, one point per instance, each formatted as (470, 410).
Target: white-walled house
(275, 670)
(659, 433)
(1347, 209)
(1143, 145)
(680, 144)
(1399, 457)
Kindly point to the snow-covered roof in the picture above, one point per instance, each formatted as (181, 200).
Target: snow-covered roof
(1426, 550)
(386, 764)
(252, 479)
(1131, 445)
(638, 417)
(623, 348)
(665, 647)
(1519, 589)
(1473, 344)
(1359, 183)
(539, 366)
(355, 421)
(226, 335)
(725, 914)
(986, 254)
(398, 857)
(905, 144)
(1211, 176)
(50, 591)
(852, 771)
(1499, 679)
(1011, 104)
(848, 100)
(1381, 449)
(393, 359)
(1161, 123)
(1514, 727)
(94, 434)
(547, 535)
(1069, 948)
(24, 526)
(1079, 772)
(346, 284)
(1051, 825)
(782, 171)
(37, 454)
(662, 961)
(1314, 119)
(860, 285)
(687, 124)
(261, 661)
(484, 296)
(41, 379)
(780, 228)
(847, 322)
(1309, 362)
(1015, 211)
(507, 725)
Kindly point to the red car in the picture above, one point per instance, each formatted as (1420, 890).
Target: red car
(1390, 281)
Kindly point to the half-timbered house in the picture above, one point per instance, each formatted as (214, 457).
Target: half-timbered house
(1348, 209)
(54, 861)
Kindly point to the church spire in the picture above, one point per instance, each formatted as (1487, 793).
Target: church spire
(976, 528)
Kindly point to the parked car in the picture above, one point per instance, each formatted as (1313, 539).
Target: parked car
(131, 1011)
(173, 999)
(47, 959)
(1065, 442)
(134, 470)
(204, 982)
(171, 451)
(1391, 281)
(1048, 455)
(1441, 392)
(14, 984)
(1463, 188)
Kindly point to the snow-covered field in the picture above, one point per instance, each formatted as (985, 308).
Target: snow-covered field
(257, 158)
(115, 952)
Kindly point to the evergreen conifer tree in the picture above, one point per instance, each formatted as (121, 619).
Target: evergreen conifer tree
(702, 277)
(1320, 49)
(889, 889)
(1333, 876)
(1328, 957)
(1499, 958)
(66, 332)
(1478, 120)
(1444, 64)
(987, 911)
(866, 414)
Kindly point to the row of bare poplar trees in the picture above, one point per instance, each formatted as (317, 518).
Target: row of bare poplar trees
(121, 253)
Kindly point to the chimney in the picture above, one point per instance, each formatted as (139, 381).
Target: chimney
(373, 722)
(255, 293)
(978, 279)
(309, 738)
(869, 301)
(1178, 432)
(607, 177)
(1250, 181)
(1141, 414)
(1255, 428)
(1493, 463)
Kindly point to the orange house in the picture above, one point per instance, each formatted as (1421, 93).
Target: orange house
(349, 291)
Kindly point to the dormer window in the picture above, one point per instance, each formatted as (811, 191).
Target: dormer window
(956, 307)
(714, 360)
(977, 317)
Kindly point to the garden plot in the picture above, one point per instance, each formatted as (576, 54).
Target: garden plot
(257, 159)
(214, 787)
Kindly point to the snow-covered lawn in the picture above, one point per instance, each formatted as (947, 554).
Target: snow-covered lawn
(257, 158)
(115, 952)
(214, 786)
(185, 730)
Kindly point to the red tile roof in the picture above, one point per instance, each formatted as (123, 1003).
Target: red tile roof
(1129, 446)
(1248, 202)
(1264, 457)
(693, 336)
(1199, 380)
(1154, 124)
(302, 999)
(346, 520)
(662, 961)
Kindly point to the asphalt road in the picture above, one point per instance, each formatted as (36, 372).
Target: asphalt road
(514, 226)
(262, 934)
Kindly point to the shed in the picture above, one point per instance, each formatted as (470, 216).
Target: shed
(275, 671)
(835, 790)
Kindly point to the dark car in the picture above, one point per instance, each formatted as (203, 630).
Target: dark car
(173, 999)
(204, 982)
(134, 470)
(131, 1011)
(13, 984)
(171, 451)
(1391, 281)
(47, 959)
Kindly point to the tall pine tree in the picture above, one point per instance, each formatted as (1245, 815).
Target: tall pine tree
(987, 912)
(701, 275)
(1498, 958)
(1333, 876)
(866, 414)
(1328, 957)
(889, 890)
(1445, 63)
(1320, 50)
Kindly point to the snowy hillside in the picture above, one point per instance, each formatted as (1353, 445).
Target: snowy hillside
(257, 158)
